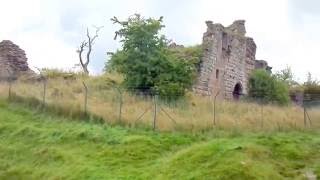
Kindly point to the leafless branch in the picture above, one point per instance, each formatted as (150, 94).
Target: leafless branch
(80, 50)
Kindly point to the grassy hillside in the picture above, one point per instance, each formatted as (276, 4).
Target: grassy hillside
(194, 113)
(34, 145)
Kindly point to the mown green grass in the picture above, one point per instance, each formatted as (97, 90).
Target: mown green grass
(34, 145)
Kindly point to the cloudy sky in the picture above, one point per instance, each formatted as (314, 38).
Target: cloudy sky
(285, 31)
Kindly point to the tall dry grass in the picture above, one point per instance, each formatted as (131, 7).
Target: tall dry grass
(193, 113)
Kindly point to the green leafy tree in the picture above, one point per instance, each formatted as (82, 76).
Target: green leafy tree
(268, 88)
(286, 75)
(146, 61)
(311, 81)
(192, 54)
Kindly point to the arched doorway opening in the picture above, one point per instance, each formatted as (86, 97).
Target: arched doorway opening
(237, 91)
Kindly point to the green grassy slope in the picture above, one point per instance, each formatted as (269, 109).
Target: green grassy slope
(39, 146)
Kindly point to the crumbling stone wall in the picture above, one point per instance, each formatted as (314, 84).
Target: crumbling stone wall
(13, 60)
(228, 60)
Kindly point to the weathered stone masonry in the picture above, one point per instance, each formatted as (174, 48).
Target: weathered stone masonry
(13, 61)
(228, 60)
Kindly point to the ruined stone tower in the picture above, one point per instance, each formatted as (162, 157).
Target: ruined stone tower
(228, 60)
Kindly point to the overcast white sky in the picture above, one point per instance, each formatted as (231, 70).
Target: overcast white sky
(287, 32)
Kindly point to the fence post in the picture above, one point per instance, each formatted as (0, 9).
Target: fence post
(10, 83)
(261, 113)
(310, 122)
(214, 108)
(304, 117)
(120, 104)
(304, 114)
(154, 112)
(85, 96)
(44, 80)
(9, 93)
(44, 91)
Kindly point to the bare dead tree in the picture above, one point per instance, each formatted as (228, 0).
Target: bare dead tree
(87, 44)
(82, 47)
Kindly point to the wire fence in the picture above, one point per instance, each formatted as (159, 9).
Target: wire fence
(137, 107)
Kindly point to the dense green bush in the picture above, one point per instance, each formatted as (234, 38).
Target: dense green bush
(146, 62)
(191, 54)
(266, 87)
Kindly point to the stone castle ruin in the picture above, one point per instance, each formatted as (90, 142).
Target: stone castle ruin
(13, 61)
(228, 60)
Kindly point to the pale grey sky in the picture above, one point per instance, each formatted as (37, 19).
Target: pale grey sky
(285, 31)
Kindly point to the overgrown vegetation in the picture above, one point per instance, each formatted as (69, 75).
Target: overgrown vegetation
(307, 93)
(59, 73)
(191, 54)
(262, 85)
(312, 88)
(41, 146)
(193, 113)
(147, 63)
(286, 75)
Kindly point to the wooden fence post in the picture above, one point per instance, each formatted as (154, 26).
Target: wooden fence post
(9, 93)
(304, 114)
(261, 113)
(154, 112)
(85, 96)
(10, 78)
(120, 105)
(44, 91)
(214, 108)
